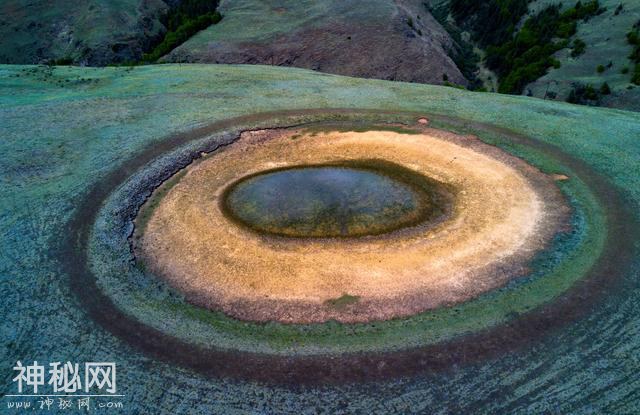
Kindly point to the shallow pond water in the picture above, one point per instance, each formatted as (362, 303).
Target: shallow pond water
(326, 201)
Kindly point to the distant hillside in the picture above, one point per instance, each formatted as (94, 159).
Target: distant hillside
(568, 50)
(93, 32)
(385, 39)
(606, 45)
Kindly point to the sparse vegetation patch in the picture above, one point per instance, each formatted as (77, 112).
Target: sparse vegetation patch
(343, 301)
(587, 94)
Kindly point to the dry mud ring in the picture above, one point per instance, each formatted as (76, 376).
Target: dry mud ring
(269, 246)
(275, 227)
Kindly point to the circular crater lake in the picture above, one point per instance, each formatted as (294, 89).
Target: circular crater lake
(323, 201)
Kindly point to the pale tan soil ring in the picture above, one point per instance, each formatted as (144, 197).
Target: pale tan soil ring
(504, 212)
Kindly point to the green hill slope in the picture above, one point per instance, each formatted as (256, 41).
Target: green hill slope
(559, 50)
(606, 45)
(93, 32)
(395, 40)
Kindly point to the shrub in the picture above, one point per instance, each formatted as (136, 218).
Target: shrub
(605, 89)
(188, 10)
(61, 61)
(578, 48)
(600, 68)
(462, 51)
(492, 21)
(618, 9)
(583, 94)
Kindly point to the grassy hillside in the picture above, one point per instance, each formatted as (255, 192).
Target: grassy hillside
(65, 129)
(91, 32)
(373, 39)
(560, 50)
(605, 44)
(384, 39)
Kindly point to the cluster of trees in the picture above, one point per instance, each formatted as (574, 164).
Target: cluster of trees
(187, 10)
(182, 22)
(634, 39)
(492, 22)
(521, 56)
(587, 94)
(529, 54)
(462, 52)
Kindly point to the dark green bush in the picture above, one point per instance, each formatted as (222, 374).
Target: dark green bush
(188, 10)
(462, 52)
(635, 78)
(583, 94)
(410, 22)
(61, 61)
(521, 56)
(578, 48)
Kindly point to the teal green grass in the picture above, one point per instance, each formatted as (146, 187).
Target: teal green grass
(58, 141)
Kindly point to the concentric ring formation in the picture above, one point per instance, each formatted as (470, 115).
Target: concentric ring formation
(559, 283)
(496, 213)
